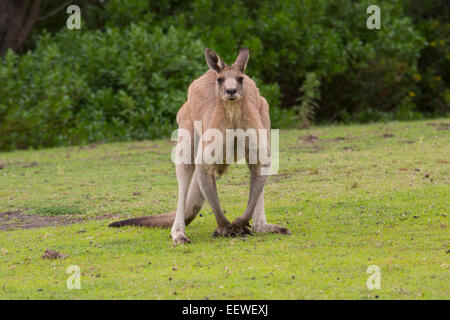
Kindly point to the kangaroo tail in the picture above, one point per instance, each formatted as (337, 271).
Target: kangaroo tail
(164, 220)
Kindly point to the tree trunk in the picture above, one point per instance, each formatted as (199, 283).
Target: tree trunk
(17, 17)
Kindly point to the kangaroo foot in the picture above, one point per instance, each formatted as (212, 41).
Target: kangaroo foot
(224, 231)
(241, 227)
(273, 228)
(180, 239)
(237, 228)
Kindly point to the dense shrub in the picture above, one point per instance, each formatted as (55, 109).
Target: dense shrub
(125, 74)
(78, 87)
(431, 91)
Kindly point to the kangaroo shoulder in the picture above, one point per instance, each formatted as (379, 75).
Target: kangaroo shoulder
(201, 94)
(203, 87)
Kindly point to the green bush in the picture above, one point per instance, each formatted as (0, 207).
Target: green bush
(79, 87)
(431, 80)
(311, 93)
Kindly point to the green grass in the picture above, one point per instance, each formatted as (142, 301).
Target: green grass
(366, 200)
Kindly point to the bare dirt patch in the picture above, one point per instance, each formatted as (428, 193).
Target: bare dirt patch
(439, 125)
(22, 163)
(52, 255)
(21, 220)
(310, 138)
(313, 144)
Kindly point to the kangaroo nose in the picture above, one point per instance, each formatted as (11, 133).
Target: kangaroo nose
(231, 91)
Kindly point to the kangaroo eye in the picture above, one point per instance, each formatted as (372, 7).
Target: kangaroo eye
(220, 80)
(240, 79)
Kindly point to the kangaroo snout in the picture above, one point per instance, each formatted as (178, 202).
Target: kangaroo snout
(231, 92)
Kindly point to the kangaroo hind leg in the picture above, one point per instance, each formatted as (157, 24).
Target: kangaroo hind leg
(184, 176)
(195, 199)
(207, 183)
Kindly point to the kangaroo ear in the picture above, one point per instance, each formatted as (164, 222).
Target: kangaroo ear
(213, 60)
(242, 59)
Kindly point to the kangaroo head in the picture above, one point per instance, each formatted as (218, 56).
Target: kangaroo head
(230, 81)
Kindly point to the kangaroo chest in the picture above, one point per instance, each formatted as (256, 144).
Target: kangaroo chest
(233, 117)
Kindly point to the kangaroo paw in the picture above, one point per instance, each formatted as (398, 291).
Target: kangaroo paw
(224, 231)
(180, 239)
(241, 227)
(273, 228)
(238, 228)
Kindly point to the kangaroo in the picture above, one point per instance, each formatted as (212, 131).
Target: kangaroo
(222, 98)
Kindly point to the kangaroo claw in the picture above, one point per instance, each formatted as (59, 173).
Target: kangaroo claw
(180, 239)
(237, 228)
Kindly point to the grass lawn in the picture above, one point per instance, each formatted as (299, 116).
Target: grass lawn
(352, 196)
